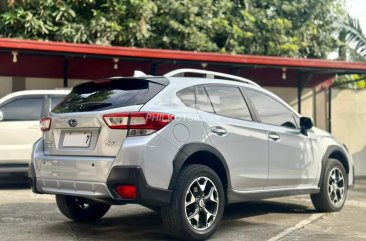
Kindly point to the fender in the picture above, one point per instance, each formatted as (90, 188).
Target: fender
(331, 149)
(188, 150)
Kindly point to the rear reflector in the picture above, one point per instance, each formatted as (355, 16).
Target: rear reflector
(138, 123)
(45, 124)
(126, 192)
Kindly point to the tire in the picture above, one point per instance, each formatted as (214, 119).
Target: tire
(181, 220)
(331, 198)
(81, 209)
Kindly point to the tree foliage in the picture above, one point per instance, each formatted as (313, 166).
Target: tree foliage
(294, 28)
(351, 33)
(352, 47)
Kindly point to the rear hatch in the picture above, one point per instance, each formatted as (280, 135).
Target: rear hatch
(77, 126)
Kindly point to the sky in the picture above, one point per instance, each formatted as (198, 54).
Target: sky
(357, 8)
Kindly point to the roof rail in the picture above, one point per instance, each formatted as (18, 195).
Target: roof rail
(209, 75)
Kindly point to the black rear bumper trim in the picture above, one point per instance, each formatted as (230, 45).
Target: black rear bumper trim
(133, 175)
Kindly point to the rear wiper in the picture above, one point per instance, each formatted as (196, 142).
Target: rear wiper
(93, 105)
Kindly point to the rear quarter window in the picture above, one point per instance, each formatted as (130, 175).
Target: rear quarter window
(187, 96)
(108, 94)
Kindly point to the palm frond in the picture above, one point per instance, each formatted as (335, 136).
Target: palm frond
(351, 32)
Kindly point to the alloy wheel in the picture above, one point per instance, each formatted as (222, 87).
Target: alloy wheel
(336, 189)
(201, 203)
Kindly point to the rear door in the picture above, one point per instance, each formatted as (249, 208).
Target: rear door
(291, 154)
(77, 126)
(19, 128)
(229, 125)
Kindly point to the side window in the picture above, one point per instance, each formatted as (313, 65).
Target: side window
(56, 99)
(203, 102)
(187, 96)
(23, 109)
(228, 101)
(271, 111)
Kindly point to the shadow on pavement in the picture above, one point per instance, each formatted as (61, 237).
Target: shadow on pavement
(127, 222)
(147, 225)
(249, 209)
(14, 182)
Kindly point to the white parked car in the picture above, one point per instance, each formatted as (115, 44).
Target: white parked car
(19, 125)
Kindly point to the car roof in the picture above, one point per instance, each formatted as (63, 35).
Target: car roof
(191, 81)
(35, 92)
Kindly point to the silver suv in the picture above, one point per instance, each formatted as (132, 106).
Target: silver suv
(186, 146)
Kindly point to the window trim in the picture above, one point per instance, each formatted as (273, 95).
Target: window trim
(245, 89)
(196, 87)
(252, 115)
(20, 97)
(209, 99)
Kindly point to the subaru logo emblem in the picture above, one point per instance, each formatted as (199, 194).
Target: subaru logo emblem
(73, 123)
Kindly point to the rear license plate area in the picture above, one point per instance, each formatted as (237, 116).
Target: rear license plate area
(77, 139)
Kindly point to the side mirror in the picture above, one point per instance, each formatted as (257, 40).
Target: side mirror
(305, 124)
(1, 116)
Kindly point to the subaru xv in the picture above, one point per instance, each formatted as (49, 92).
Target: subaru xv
(186, 146)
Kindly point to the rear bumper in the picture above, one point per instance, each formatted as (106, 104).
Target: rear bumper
(90, 177)
(129, 175)
(32, 178)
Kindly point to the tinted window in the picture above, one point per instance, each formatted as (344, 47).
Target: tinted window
(271, 111)
(187, 96)
(23, 109)
(203, 102)
(228, 101)
(108, 94)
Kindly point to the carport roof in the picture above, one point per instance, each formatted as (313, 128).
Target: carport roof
(47, 59)
(156, 54)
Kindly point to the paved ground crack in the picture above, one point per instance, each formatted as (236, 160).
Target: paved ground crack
(298, 226)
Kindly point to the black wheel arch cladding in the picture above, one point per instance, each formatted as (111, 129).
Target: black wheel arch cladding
(189, 150)
(334, 152)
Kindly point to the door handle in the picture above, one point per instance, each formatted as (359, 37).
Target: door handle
(274, 137)
(219, 130)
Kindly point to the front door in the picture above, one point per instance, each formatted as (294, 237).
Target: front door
(291, 158)
(291, 154)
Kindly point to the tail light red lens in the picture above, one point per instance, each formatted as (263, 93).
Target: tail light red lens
(126, 191)
(138, 123)
(45, 124)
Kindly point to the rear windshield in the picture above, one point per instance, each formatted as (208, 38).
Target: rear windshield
(108, 94)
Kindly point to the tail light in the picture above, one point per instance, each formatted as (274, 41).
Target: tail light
(126, 191)
(45, 124)
(138, 123)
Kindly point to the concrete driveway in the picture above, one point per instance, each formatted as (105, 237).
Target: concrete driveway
(27, 216)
